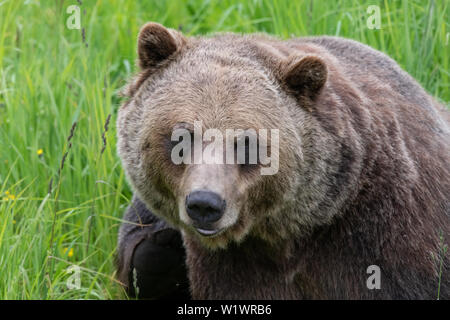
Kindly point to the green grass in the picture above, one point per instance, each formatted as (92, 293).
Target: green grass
(50, 79)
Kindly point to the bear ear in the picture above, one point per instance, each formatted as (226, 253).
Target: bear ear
(156, 43)
(306, 75)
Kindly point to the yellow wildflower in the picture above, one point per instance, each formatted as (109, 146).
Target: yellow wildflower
(70, 253)
(40, 152)
(8, 196)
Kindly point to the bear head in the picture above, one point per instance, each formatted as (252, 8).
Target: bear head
(250, 103)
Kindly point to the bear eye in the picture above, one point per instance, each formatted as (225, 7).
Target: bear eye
(173, 143)
(247, 152)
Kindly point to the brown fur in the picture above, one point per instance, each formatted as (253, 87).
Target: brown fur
(364, 172)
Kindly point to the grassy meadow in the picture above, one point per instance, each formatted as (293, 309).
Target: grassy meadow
(62, 188)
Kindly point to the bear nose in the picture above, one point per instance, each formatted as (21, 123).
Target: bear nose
(204, 207)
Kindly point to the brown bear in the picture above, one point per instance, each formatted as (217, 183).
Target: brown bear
(363, 179)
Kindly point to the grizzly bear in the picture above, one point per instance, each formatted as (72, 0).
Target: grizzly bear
(359, 207)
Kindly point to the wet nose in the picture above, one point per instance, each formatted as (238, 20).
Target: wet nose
(204, 207)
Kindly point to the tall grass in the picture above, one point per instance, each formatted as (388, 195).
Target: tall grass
(56, 213)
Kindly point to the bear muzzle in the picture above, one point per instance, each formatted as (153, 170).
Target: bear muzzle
(205, 208)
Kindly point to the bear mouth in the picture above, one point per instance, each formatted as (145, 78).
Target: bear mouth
(208, 232)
